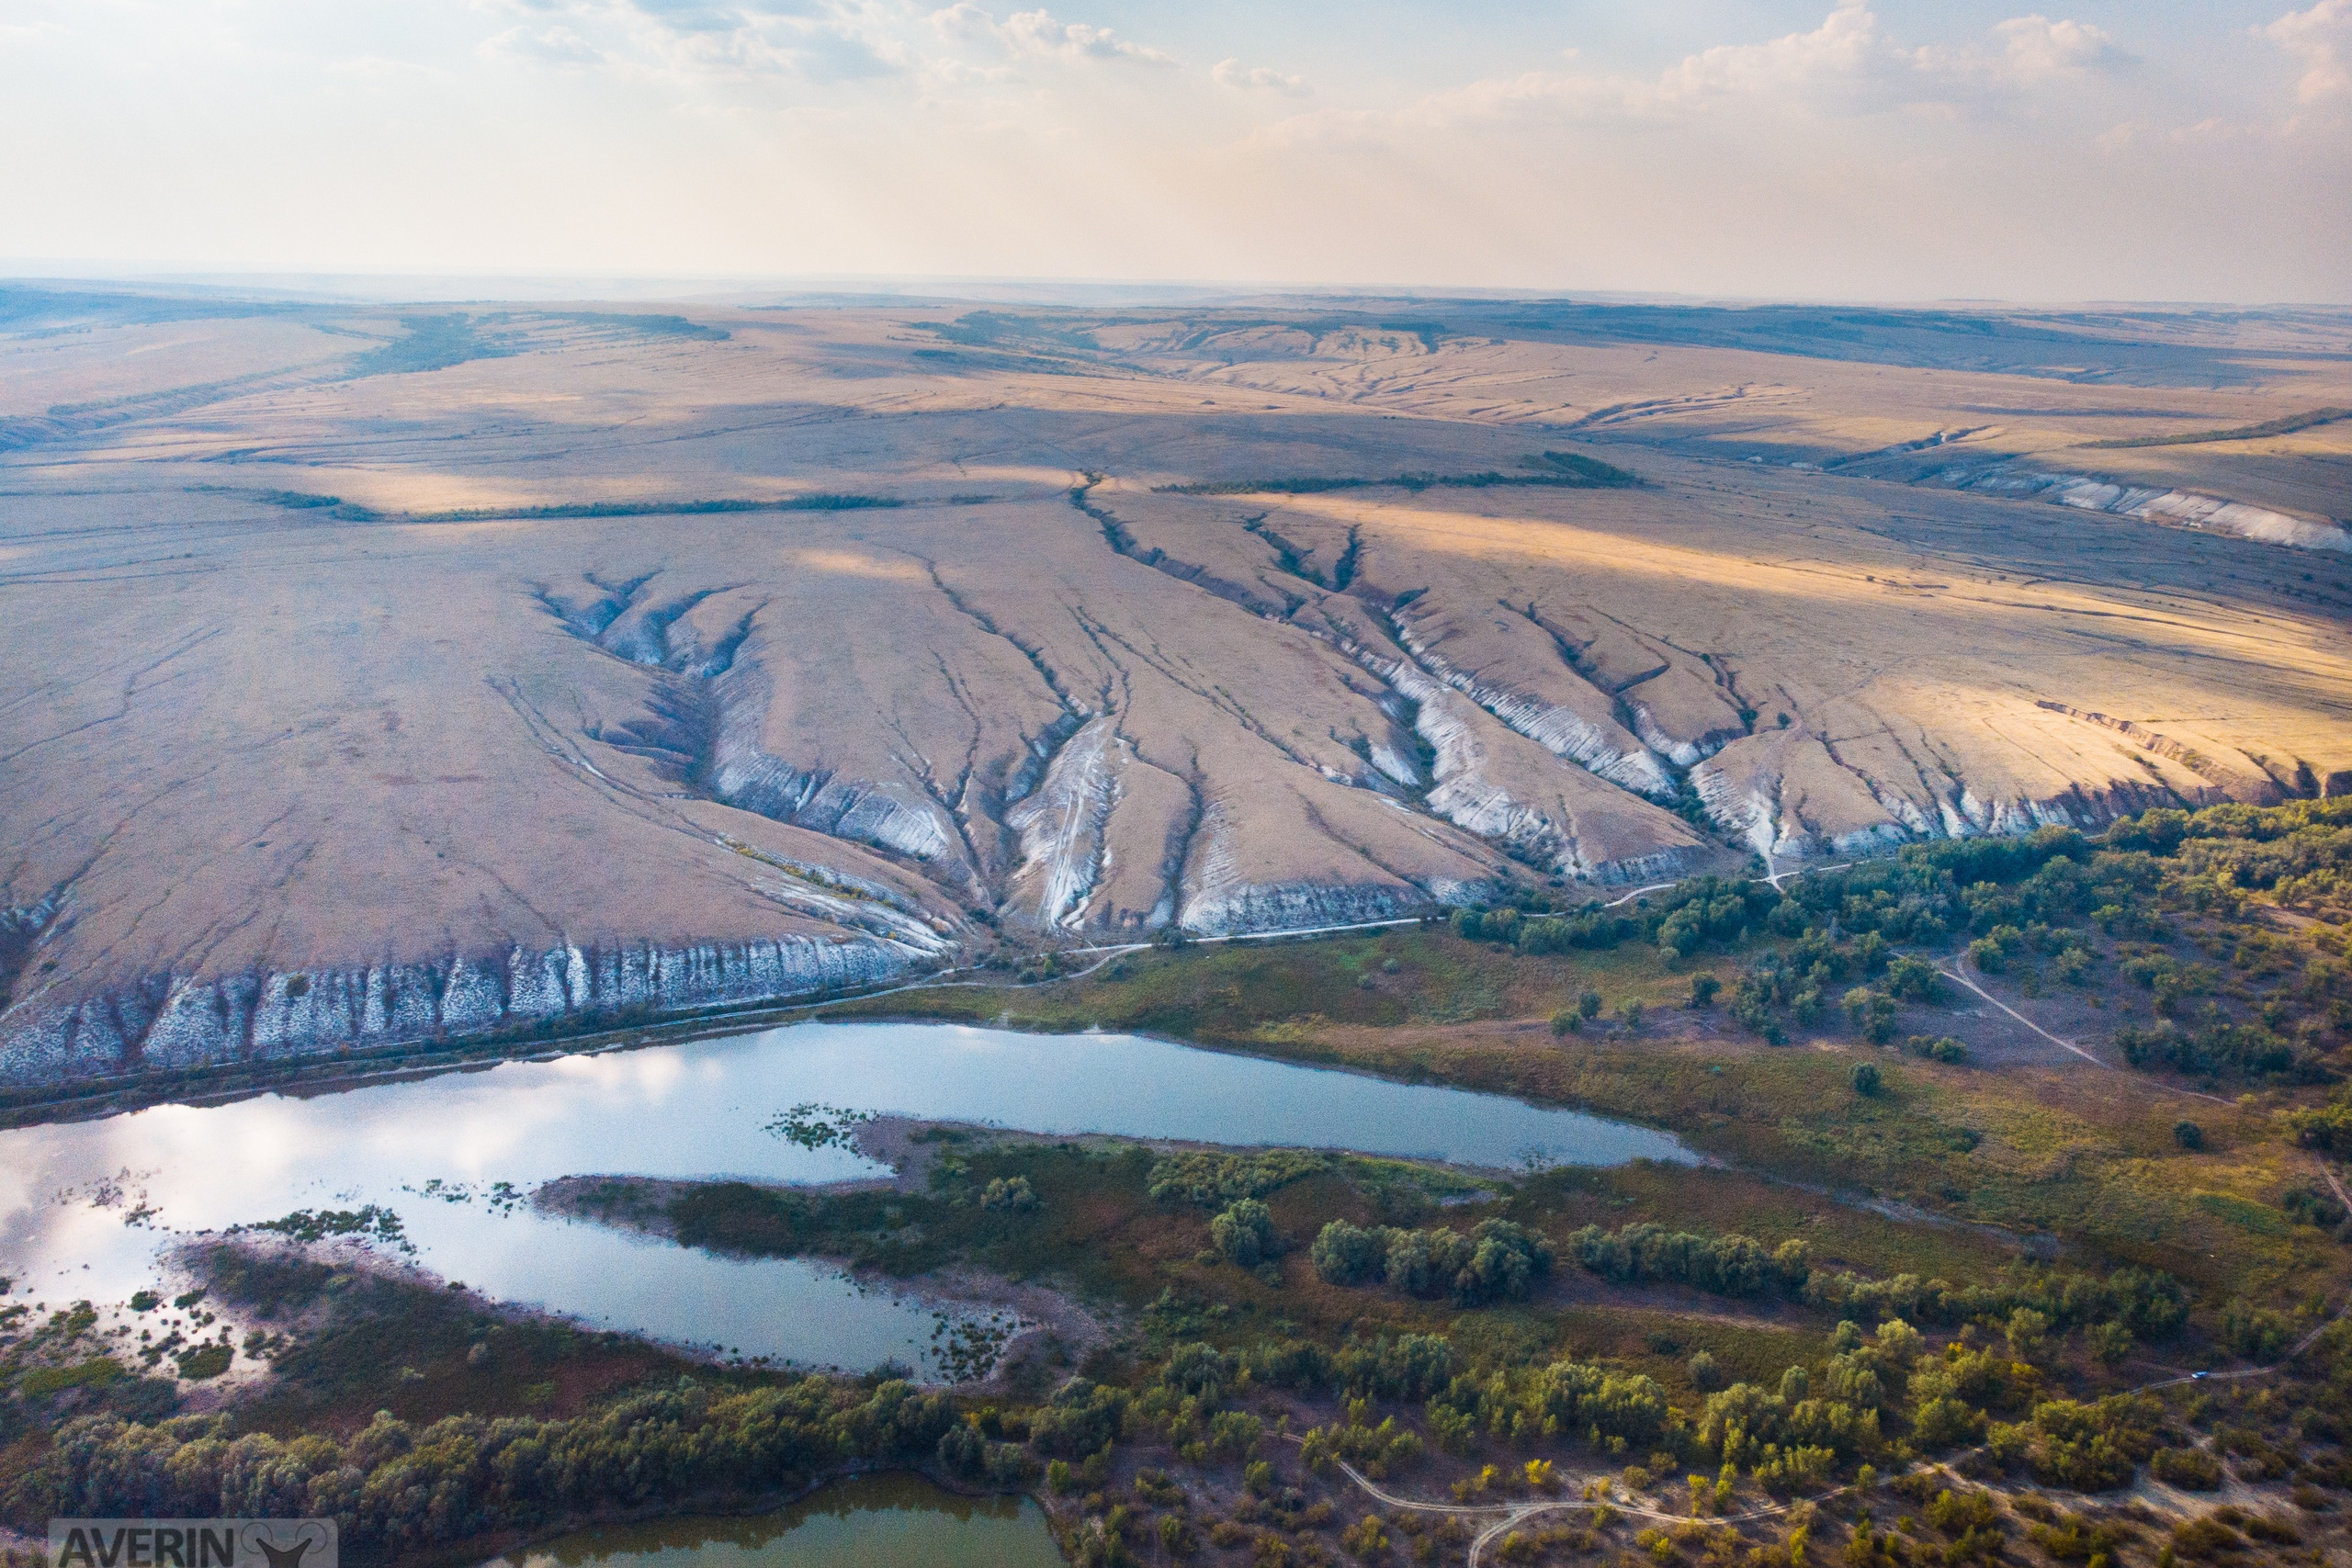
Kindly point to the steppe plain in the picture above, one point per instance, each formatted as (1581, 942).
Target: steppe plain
(381, 673)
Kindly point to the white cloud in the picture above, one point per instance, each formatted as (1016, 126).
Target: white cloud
(2322, 36)
(1037, 35)
(549, 46)
(1257, 78)
(1848, 61)
(812, 40)
(1845, 46)
(2036, 49)
(1844, 67)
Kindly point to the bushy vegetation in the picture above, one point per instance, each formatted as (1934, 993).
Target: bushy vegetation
(402, 1487)
(1731, 1265)
(1210, 1179)
(1496, 1262)
(2034, 908)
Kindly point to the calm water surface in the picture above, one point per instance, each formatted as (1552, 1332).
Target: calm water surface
(876, 1521)
(85, 1207)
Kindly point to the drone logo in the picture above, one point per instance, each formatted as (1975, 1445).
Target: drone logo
(310, 1536)
(192, 1543)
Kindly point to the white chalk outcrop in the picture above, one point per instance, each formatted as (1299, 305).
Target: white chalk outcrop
(167, 1024)
(2150, 504)
(1790, 795)
(1062, 825)
(1221, 895)
(1497, 782)
(1588, 734)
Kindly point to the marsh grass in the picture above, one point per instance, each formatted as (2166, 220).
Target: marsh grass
(2080, 1154)
(390, 1343)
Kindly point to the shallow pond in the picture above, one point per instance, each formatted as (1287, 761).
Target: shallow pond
(85, 1206)
(873, 1521)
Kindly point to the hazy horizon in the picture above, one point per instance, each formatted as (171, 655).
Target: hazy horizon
(1786, 150)
(427, 287)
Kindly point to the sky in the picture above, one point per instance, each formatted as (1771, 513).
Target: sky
(2172, 150)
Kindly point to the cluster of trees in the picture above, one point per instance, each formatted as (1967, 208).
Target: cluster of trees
(406, 1488)
(2301, 854)
(1728, 1264)
(2005, 944)
(1187, 1402)
(2213, 1046)
(2327, 1128)
(2125, 1306)
(1496, 1262)
(1560, 1401)
(2022, 903)
(2086, 1447)
(1680, 920)
(1539, 933)
(1410, 1367)
(2145, 1303)
(1792, 1435)
(2170, 979)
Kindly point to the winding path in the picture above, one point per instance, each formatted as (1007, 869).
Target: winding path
(1514, 1514)
(1957, 972)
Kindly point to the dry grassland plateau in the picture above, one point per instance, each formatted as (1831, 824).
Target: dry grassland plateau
(395, 675)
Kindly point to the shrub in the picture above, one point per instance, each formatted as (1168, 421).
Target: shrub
(1944, 1423)
(1915, 980)
(1012, 1193)
(2326, 1127)
(2189, 1134)
(1343, 1254)
(1940, 1049)
(1210, 1180)
(1872, 1014)
(2205, 1536)
(1244, 1233)
(2191, 1469)
(2257, 1334)
(1705, 1375)
(1865, 1078)
(1703, 989)
(204, 1362)
(1367, 1539)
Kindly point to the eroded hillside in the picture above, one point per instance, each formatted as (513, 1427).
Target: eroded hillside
(385, 674)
